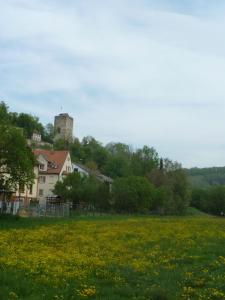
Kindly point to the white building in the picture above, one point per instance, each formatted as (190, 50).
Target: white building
(53, 166)
(84, 171)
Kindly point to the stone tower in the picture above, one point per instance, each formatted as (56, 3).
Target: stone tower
(63, 127)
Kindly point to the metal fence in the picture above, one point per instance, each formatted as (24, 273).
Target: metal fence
(49, 210)
(9, 207)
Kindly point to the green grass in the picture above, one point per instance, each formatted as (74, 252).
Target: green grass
(123, 257)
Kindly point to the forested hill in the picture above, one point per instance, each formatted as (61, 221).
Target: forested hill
(206, 177)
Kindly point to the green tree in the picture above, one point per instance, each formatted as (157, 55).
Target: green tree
(4, 114)
(29, 124)
(83, 189)
(118, 162)
(49, 133)
(94, 151)
(76, 151)
(16, 158)
(199, 198)
(61, 144)
(178, 185)
(117, 166)
(144, 161)
(216, 200)
(71, 188)
(132, 194)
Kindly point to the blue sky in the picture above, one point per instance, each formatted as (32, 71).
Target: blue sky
(137, 71)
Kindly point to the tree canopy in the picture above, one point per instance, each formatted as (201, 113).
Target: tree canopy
(16, 158)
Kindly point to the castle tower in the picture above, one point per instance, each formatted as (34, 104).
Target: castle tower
(63, 127)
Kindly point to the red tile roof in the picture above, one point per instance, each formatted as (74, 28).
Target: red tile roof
(57, 158)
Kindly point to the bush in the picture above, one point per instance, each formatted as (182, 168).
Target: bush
(83, 189)
(211, 200)
(132, 194)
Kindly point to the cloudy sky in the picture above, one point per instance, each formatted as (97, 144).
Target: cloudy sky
(137, 71)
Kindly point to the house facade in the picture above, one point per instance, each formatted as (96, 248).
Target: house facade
(53, 166)
(28, 194)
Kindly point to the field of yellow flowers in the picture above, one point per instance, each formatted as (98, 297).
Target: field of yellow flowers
(113, 258)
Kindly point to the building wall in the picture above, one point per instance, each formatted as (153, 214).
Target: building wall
(63, 127)
(29, 195)
(67, 167)
(46, 186)
(47, 182)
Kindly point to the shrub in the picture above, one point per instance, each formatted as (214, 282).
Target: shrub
(132, 194)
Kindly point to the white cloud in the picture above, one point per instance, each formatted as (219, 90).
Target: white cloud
(130, 71)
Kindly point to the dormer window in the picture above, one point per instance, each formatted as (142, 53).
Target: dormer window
(52, 165)
(41, 167)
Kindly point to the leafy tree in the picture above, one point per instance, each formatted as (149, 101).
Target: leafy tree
(16, 158)
(144, 161)
(76, 151)
(199, 199)
(61, 144)
(94, 151)
(170, 166)
(49, 133)
(71, 188)
(119, 149)
(91, 165)
(30, 124)
(210, 200)
(78, 189)
(172, 184)
(177, 182)
(132, 194)
(4, 114)
(216, 200)
(117, 166)
(162, 200)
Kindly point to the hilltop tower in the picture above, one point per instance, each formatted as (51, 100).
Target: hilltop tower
(63, 127)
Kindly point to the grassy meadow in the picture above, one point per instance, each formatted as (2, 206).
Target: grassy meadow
(113, 258)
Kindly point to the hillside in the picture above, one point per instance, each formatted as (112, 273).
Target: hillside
(205, 177)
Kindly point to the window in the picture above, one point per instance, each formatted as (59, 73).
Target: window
(68, 169)
(21, 189)
(41, 192)
(51, 179)
(41, 167)
(42, 179)
(59, 130)
(31, 188)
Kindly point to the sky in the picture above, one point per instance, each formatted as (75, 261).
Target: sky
(142, 72)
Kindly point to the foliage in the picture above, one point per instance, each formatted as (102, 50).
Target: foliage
(4, 115)
(49, 133)
(172, 193)
(27, 122)
(83, 189)
(61, 144)
(132, 194)
(144, 161)
(205, 177)
(16, 158)
(210, 200)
